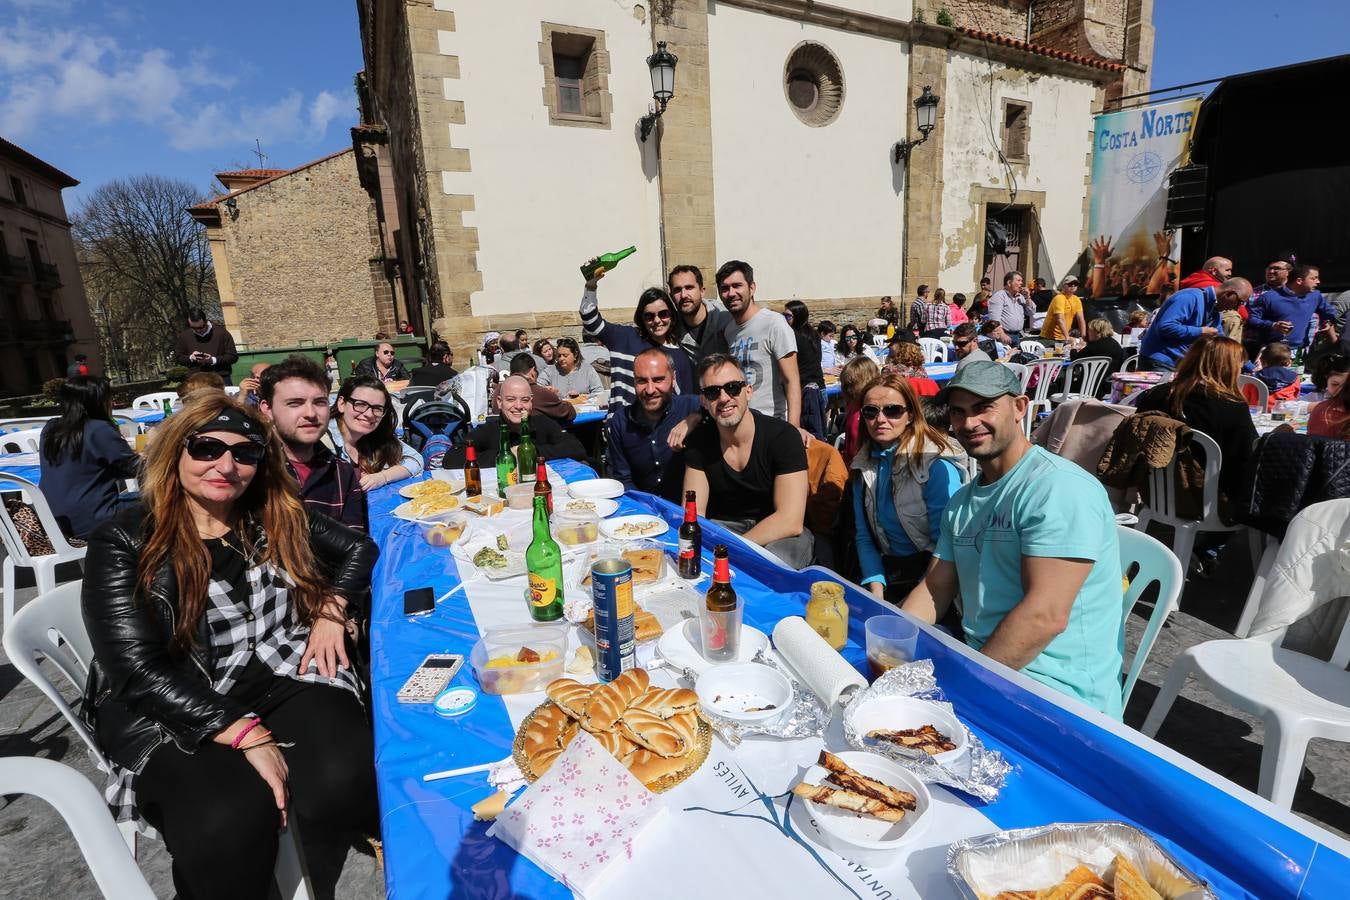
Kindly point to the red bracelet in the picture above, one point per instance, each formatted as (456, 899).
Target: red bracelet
(239, 738)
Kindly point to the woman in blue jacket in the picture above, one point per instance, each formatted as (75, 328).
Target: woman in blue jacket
(84, 457)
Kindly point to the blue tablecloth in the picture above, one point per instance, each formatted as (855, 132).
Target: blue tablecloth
(1067, 768)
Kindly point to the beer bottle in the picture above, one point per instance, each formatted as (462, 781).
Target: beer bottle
(506, 461)
(541, 486)
(526, 454)
(473, 477)
(691, 540)
(543, 560)
(721, 619)
(168, 408)
(604, 262)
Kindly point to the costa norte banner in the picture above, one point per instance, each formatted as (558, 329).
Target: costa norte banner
(1133, 153)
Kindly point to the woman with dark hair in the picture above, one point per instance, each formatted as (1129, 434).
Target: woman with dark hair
(363, 434)
(656, 323)
(83, 456)
(1331, 416)
(543, 348)
(851, 345)
(218, 611)
(808, 368)
(907, 472)
(570, 375)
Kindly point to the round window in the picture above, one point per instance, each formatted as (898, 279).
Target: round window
(813, 83)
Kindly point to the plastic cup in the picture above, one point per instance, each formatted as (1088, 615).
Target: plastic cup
(891, 641)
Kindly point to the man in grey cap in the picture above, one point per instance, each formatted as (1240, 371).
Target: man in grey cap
(1031, 548)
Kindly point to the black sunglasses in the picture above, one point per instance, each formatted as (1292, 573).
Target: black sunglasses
(658, 314)
(207, 449)
(713, 391)
(893, 411)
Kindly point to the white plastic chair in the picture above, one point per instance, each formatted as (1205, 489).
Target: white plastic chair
(1262, 390)
(11, 425)
(1040, 394)
(933, 350)
(1161, 505)
(25, 441)
(81, 806)
(16, 554)
(878, 340)
(1157, 565)
(1297, 697)
(155, 400)
(1131, 364)
(1022, 372)
(51, 625)
(231, 390)
(1035, 348)
(1090, 370)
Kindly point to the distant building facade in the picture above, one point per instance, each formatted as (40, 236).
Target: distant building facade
(298, 256)
(44, 316)
(500, 144)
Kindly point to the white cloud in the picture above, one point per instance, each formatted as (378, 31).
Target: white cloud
(51, 74)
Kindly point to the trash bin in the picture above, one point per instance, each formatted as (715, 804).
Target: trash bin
(247, 358)
(408, 348)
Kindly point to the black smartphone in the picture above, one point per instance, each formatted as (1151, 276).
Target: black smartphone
(419, 601)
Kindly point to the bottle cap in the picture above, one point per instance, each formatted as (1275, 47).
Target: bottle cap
(455, 702)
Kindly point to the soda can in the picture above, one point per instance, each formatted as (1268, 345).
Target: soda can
(612, 590)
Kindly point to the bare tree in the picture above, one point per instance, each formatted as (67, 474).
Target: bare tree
(145, 263)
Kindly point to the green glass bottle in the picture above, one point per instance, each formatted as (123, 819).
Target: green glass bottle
(543, 560)
(604, 262)
(168, 408)
(506, 461)
(526, 455)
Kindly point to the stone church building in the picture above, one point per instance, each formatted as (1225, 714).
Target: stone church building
(501, 145)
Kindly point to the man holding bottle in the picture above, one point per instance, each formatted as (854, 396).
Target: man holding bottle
(515, 402)
(639, 451)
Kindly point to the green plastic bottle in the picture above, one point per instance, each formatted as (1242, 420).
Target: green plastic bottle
(526, 454)
(604, 262)
(543, 560)
(506, 461)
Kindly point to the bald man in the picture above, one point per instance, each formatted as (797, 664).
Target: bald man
(1185, 316)
(1215, 271)
(515, 402)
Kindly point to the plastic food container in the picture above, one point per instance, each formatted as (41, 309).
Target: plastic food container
(575, 528)
(901, 713)
(744, 692)
(496, 663)
(520, 496)
(443, 534)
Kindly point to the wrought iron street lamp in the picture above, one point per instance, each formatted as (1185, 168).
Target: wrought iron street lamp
(662, 67)
(925, 109)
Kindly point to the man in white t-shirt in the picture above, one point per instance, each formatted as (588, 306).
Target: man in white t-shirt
(764, 345)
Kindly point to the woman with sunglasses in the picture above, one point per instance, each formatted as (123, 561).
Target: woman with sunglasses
(851, 346)
(656, 323)
(363, 434)
(569, 375)
(221, 687)
(907, 472)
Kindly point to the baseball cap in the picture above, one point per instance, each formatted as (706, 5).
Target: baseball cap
(983, 378)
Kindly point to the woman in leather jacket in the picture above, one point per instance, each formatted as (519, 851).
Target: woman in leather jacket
(221, 689)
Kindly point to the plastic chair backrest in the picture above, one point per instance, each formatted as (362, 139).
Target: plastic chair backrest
(11, 425)
(1022, 372)
(878, 340)
(1035, 348)
(933, 350)
(25, 441)
(1162, 485)
(1090, 370)
(81, 806)
(155, 400)
(1157, 565)
(1261, 389)
(1131, 364)
(1044, 371)
(9, 532)
(231, 390)
(51, 625)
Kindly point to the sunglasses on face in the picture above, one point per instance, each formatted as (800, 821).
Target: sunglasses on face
(890, 410)
(658, 314)
(209, 449)
(962, 344)
(713, 391)
(361, 407)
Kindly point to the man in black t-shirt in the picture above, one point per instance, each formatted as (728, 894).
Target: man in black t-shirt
(440, 366)
(747, 469)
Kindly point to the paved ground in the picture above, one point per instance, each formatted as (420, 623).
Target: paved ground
(38, 857)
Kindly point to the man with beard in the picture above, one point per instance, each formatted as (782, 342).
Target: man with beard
(748, 469)
(705, 323)
(639, 452)
(1031, 548)
(763, 345)
(294, 398)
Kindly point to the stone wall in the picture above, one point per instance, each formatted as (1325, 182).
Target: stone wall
(1006, 17)
(300, 257)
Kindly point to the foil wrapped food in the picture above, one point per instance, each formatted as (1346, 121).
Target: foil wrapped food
(1031, 859)
(980, 773)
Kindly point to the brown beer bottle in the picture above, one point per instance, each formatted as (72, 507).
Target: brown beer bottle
(691, 540)
(473, 478)
(541, 486)
(721, 620)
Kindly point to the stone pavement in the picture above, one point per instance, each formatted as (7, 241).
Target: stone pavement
(39, 858)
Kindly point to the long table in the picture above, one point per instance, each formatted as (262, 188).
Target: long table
(1071, 763)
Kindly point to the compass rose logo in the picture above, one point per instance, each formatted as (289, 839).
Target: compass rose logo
(1144, 167)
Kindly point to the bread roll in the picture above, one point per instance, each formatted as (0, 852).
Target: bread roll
(570, 695)
(686, 726)
(545, 731)
(667, 702)
(544, 761)
(609, 701)
(649, 767)
(653, 732)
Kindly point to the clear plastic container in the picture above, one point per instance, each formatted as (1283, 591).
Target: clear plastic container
(520, 496)
(496, 662)
(576, 528)
(443, 534)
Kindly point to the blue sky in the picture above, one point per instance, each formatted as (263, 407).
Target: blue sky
(110, 88)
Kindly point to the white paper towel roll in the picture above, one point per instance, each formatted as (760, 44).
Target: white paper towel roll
(822, 668)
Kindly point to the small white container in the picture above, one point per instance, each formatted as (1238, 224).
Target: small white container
(865, 839)
(899, 713)
(744, 692)
(604, 488)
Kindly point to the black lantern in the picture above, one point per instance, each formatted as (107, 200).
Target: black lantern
(925, 113)
(662, 67)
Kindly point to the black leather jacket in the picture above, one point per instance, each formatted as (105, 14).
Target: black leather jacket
(139, 696)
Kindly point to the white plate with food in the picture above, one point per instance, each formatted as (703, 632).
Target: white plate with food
(598, 505)
(428, 508)
(864, 806)
(592, 488)
(632, 528)
(433, 485)
(683, 646)
(912, 724)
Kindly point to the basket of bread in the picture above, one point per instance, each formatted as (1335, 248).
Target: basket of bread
(657, 733)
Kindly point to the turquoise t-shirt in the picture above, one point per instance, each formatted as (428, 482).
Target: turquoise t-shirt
(1045, 506)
